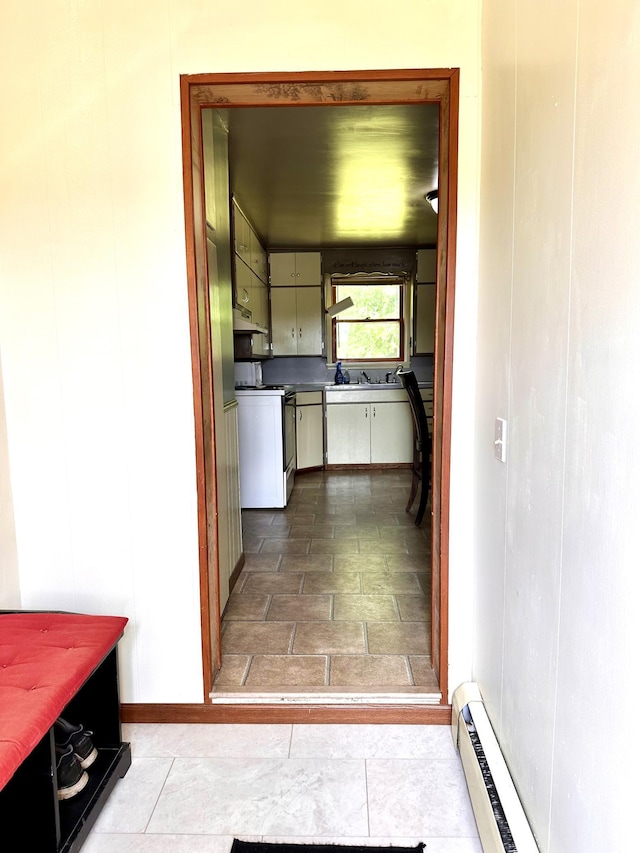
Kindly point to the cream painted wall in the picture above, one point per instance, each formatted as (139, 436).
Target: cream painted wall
(93, 301)
(559, 293)
(9, 579)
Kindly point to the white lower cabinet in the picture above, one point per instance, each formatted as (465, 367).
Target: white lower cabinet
(309, 430)
(348, 434)
(369, 433)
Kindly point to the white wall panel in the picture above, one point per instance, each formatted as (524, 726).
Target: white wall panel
(563, 593)
(93, 303)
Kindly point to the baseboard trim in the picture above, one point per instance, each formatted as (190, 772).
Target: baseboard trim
(235, 574)
(371, 466)
(425, 715)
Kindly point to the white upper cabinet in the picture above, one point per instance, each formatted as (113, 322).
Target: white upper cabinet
(296, 316)
(241, 235)
(295, 269)
(258, 257)
(247, 245)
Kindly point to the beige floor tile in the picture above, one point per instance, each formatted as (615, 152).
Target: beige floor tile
(367, 608)
(383, 546)
(425, 582)
(329, 638)
(369, 671)
(390, 583)
(399, 638)
(414, 608)
(268, 583)
(359, 563)
(299, 608)
(261, 562)
(335, 514)
(285, 546)
(257, 637)
(259, 527)
(417, 547)
(307, 563)
(398, 531)
(280, 519)
(246, 607)
(363, 531)
(305, 499)
(260, 516)
(345, 531)
(319, 582)
(312, 531)
(301, 519)
(341, 571)
(334, 546)
(233, 670)
(287, 671)
(423, 674)
(407, 563)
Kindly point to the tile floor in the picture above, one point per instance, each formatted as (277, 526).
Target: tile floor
(334, 594)
(193, 788)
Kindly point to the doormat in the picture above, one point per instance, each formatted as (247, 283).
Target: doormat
(266, 847)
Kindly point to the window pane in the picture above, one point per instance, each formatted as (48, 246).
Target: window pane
(370, 302)
(363, 341)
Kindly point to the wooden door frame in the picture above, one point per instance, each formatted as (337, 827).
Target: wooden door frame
(323, 88)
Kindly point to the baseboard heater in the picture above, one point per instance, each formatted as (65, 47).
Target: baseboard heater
(502, 823)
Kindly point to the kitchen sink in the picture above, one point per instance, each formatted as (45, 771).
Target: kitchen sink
(365, 386)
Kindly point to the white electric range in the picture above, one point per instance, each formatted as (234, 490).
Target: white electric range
(267, 440)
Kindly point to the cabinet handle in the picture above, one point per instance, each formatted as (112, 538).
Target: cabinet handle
(293, 333)
(366, 412)
(374, 411)
(300, 415)
(300, 332)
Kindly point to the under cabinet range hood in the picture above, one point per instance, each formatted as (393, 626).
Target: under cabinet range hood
(242, 323)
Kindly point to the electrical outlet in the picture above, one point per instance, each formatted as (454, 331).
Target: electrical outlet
(500, 440)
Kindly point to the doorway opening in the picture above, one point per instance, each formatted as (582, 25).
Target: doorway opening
(291, 90)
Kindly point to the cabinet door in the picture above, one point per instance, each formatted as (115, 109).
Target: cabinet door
(258, 258)
(282, 269)
(262, 342)
(309, 443)
(309, 320)
(425, 325)
(308, 269)
(243, 284)
(241, 236)
(284, 329)
(348, 434)
(391, 432)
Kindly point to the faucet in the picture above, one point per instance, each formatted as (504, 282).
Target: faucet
(366, 376)
(388, 375)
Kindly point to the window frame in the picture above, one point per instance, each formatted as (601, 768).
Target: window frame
(403, 321)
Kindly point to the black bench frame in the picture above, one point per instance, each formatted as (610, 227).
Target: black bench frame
(31, 816)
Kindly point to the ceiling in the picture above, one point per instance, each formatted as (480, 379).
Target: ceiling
(335, 176)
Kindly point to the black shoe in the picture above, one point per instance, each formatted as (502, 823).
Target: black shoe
(71, 777)
(79, 738)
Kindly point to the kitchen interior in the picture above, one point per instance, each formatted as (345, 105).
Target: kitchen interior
(324, 577)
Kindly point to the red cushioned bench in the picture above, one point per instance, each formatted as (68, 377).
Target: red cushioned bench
(52, 665)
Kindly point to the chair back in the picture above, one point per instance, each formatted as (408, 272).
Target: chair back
(420, 423)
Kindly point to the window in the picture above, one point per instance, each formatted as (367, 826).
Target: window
(373, 329)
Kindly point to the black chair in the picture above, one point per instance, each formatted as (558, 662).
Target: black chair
(421, 445)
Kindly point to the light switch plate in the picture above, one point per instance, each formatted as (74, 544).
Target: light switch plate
(500, 440)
